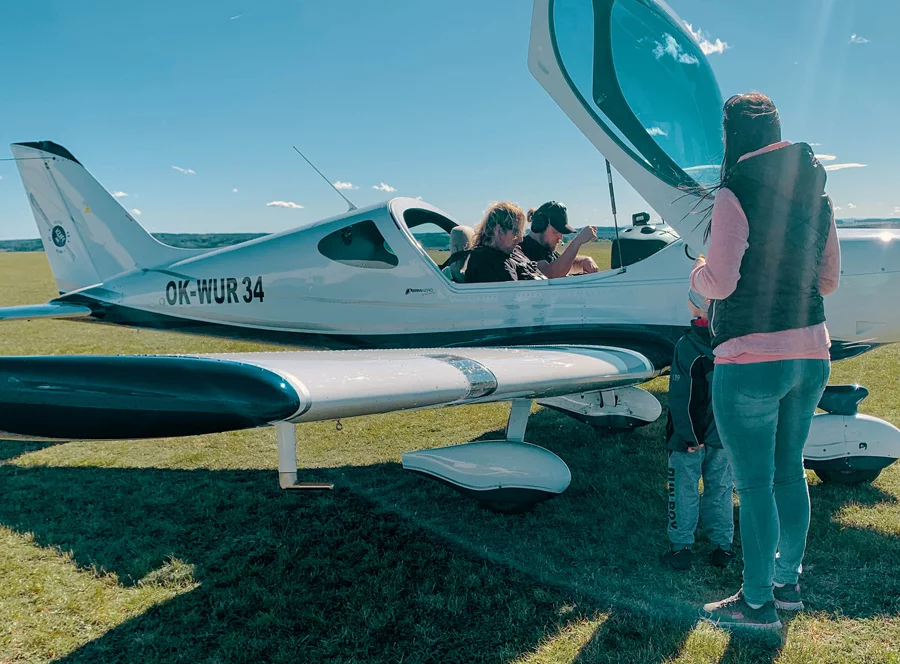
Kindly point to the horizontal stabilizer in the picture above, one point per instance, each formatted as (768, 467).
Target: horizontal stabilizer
(106, 398)
(49, 310)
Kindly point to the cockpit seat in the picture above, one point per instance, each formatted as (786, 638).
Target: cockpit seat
(460, 236)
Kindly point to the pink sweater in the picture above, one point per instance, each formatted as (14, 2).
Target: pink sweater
(718, 277)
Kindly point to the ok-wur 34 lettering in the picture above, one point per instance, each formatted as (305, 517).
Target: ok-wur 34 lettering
(226, 290)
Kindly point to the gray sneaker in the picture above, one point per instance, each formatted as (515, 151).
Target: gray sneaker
(787, 598)
(734, 612)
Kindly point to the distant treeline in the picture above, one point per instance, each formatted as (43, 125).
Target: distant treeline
(869, 223)
(183, 240)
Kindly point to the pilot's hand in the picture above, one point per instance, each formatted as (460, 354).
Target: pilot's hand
(695, 448)
(701, 260)
(585, 235)
(588, 266)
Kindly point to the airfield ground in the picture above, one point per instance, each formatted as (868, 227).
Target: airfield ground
(185, 550)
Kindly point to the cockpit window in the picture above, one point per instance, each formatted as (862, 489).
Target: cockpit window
(431, 231)
(360, 245)
(646, 81)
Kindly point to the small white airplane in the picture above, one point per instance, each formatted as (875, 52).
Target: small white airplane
(637, 84)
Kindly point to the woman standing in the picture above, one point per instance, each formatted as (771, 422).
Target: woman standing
(773, 253)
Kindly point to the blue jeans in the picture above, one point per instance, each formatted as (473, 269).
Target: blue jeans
(686, 506)
(763, 413)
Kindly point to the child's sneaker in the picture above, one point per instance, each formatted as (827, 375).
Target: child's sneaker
(787, 598)
(680, 559)
(734, 612)
(720, 557)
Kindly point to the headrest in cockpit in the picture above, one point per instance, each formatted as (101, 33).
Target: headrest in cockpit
(460, 236)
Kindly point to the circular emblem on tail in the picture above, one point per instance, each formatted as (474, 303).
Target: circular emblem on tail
(58, 235)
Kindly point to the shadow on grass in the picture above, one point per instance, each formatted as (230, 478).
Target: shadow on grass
(10, 449)
(604, 535)
(283, 576)
(391, 567)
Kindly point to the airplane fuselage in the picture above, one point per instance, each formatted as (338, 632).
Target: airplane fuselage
(298, 288)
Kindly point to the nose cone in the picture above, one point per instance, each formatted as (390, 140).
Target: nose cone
(106, 398)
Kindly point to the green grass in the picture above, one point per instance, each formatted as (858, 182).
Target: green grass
(185, 550)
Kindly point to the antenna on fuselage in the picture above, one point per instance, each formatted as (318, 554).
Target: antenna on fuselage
(330, 184)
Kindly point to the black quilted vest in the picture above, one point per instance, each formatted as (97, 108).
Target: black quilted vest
(782, 192)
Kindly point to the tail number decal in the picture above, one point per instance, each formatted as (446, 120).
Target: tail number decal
(226, 290)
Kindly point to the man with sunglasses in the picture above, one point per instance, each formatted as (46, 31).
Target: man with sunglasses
(548, 225)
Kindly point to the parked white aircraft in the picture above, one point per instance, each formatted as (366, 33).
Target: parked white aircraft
(637, 84)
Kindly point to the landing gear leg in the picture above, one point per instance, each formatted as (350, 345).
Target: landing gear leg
(287, 460)
(519, 412)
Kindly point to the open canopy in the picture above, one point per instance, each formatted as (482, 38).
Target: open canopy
(630, 74)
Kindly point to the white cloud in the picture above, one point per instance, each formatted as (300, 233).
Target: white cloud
(657, 131)
(674, 49)
(840, 167)
(284, 204)
(234, 17)
(119, 194)
(234, 191)
(838, 208)
(826, 157)
(344, 185)
(136, 212)
(708, 47)
(851, 206)
(384, 187)
(856, 39)
(186, 171)
(897, 210)
(1, 177)
(814, 144)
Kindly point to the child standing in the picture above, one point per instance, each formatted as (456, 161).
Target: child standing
(695, 450)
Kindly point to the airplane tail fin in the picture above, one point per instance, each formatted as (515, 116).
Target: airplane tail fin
(87, 235)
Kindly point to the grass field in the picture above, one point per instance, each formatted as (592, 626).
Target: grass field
(185, 550)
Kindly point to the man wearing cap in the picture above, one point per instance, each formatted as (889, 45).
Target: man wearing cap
(548, 225)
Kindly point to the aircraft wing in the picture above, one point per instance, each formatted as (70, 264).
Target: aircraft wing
(126, 397)
(48, 310)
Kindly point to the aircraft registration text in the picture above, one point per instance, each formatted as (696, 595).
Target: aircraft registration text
(226, 290)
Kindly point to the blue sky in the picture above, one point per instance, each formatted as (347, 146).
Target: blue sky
(431, 99)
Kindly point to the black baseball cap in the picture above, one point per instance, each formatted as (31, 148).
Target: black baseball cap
(553, 214)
